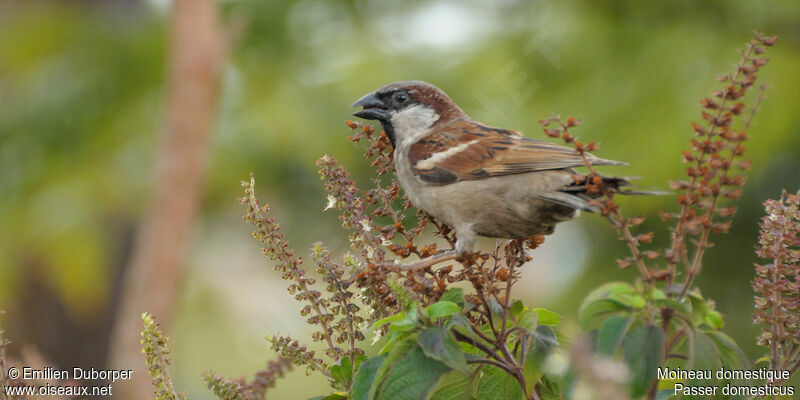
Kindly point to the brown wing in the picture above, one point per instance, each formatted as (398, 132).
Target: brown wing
(468, 150)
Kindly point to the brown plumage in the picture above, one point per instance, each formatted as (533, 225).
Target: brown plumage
(476, 178)
(488, 152)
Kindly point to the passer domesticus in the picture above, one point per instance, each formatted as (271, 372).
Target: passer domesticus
(478, 179)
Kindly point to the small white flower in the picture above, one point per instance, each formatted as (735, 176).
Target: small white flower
(370, 252)
(377, 337)
(365, 224)
(331, 203)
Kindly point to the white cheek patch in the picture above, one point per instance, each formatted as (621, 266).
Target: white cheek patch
(413, 123)
(431, 161)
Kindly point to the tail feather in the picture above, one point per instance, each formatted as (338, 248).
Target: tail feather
(576, 196)
(569, 200)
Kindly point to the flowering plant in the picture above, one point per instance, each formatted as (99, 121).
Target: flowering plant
(456, 331)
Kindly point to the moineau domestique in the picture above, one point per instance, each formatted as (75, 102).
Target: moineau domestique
(678, 373)
(763, 373)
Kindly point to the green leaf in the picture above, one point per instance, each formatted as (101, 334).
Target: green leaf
(439, 344)
(442, 309)
(388, 320)
(666, 394)
(731, 356)
(365, 375)
(516, 308)
(400, 330)
(335, 396)
(495, 308)
(612, 334)
(680, 307)
(406, 324)
(342, 371)
(643, 350)
(452, 391)
(607, 290)
(411, 377)
(703, 355)
(591, 315)
(714, 319)
(455, 295)
(397, 350)
(496, 384)
(528, 320)
(542, 344)
(699, 307)
(603, 301)
(657, 294)
(630, 300)
(547, 317)
(459, 320)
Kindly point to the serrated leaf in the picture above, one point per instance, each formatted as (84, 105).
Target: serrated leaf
(496, 384)
(542, 344)
(643, 350)
(442, 309)
(546, 317)
(410, 377)
(342, 371)
(455, 295)
(611, 335)
(439, 344)
(365, 376)
(452, 391)
(731, 356)
(704, 356)
(397, 351)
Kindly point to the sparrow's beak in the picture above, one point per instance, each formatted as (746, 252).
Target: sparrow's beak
(373, 108)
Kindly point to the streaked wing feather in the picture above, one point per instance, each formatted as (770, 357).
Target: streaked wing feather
(467, 150)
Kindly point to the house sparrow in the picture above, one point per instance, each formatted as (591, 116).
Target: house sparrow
(478, 179)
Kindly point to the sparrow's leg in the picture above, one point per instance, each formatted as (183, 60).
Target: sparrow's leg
(465, 242)
(428, 261)
(465, 239)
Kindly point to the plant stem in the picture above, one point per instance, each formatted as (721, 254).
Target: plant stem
(466, 339)
(696, 265)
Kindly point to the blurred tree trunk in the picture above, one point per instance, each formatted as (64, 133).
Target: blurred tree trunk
(156, 266)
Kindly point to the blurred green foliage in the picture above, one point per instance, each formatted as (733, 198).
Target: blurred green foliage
(81, 108)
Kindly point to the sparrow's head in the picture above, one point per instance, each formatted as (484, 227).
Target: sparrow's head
(407, 109)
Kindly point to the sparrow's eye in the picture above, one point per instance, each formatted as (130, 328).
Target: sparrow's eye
(401, 98)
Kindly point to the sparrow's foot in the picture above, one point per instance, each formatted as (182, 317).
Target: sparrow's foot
(427, 261)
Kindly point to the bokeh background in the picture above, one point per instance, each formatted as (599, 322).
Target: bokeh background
(82, 104)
